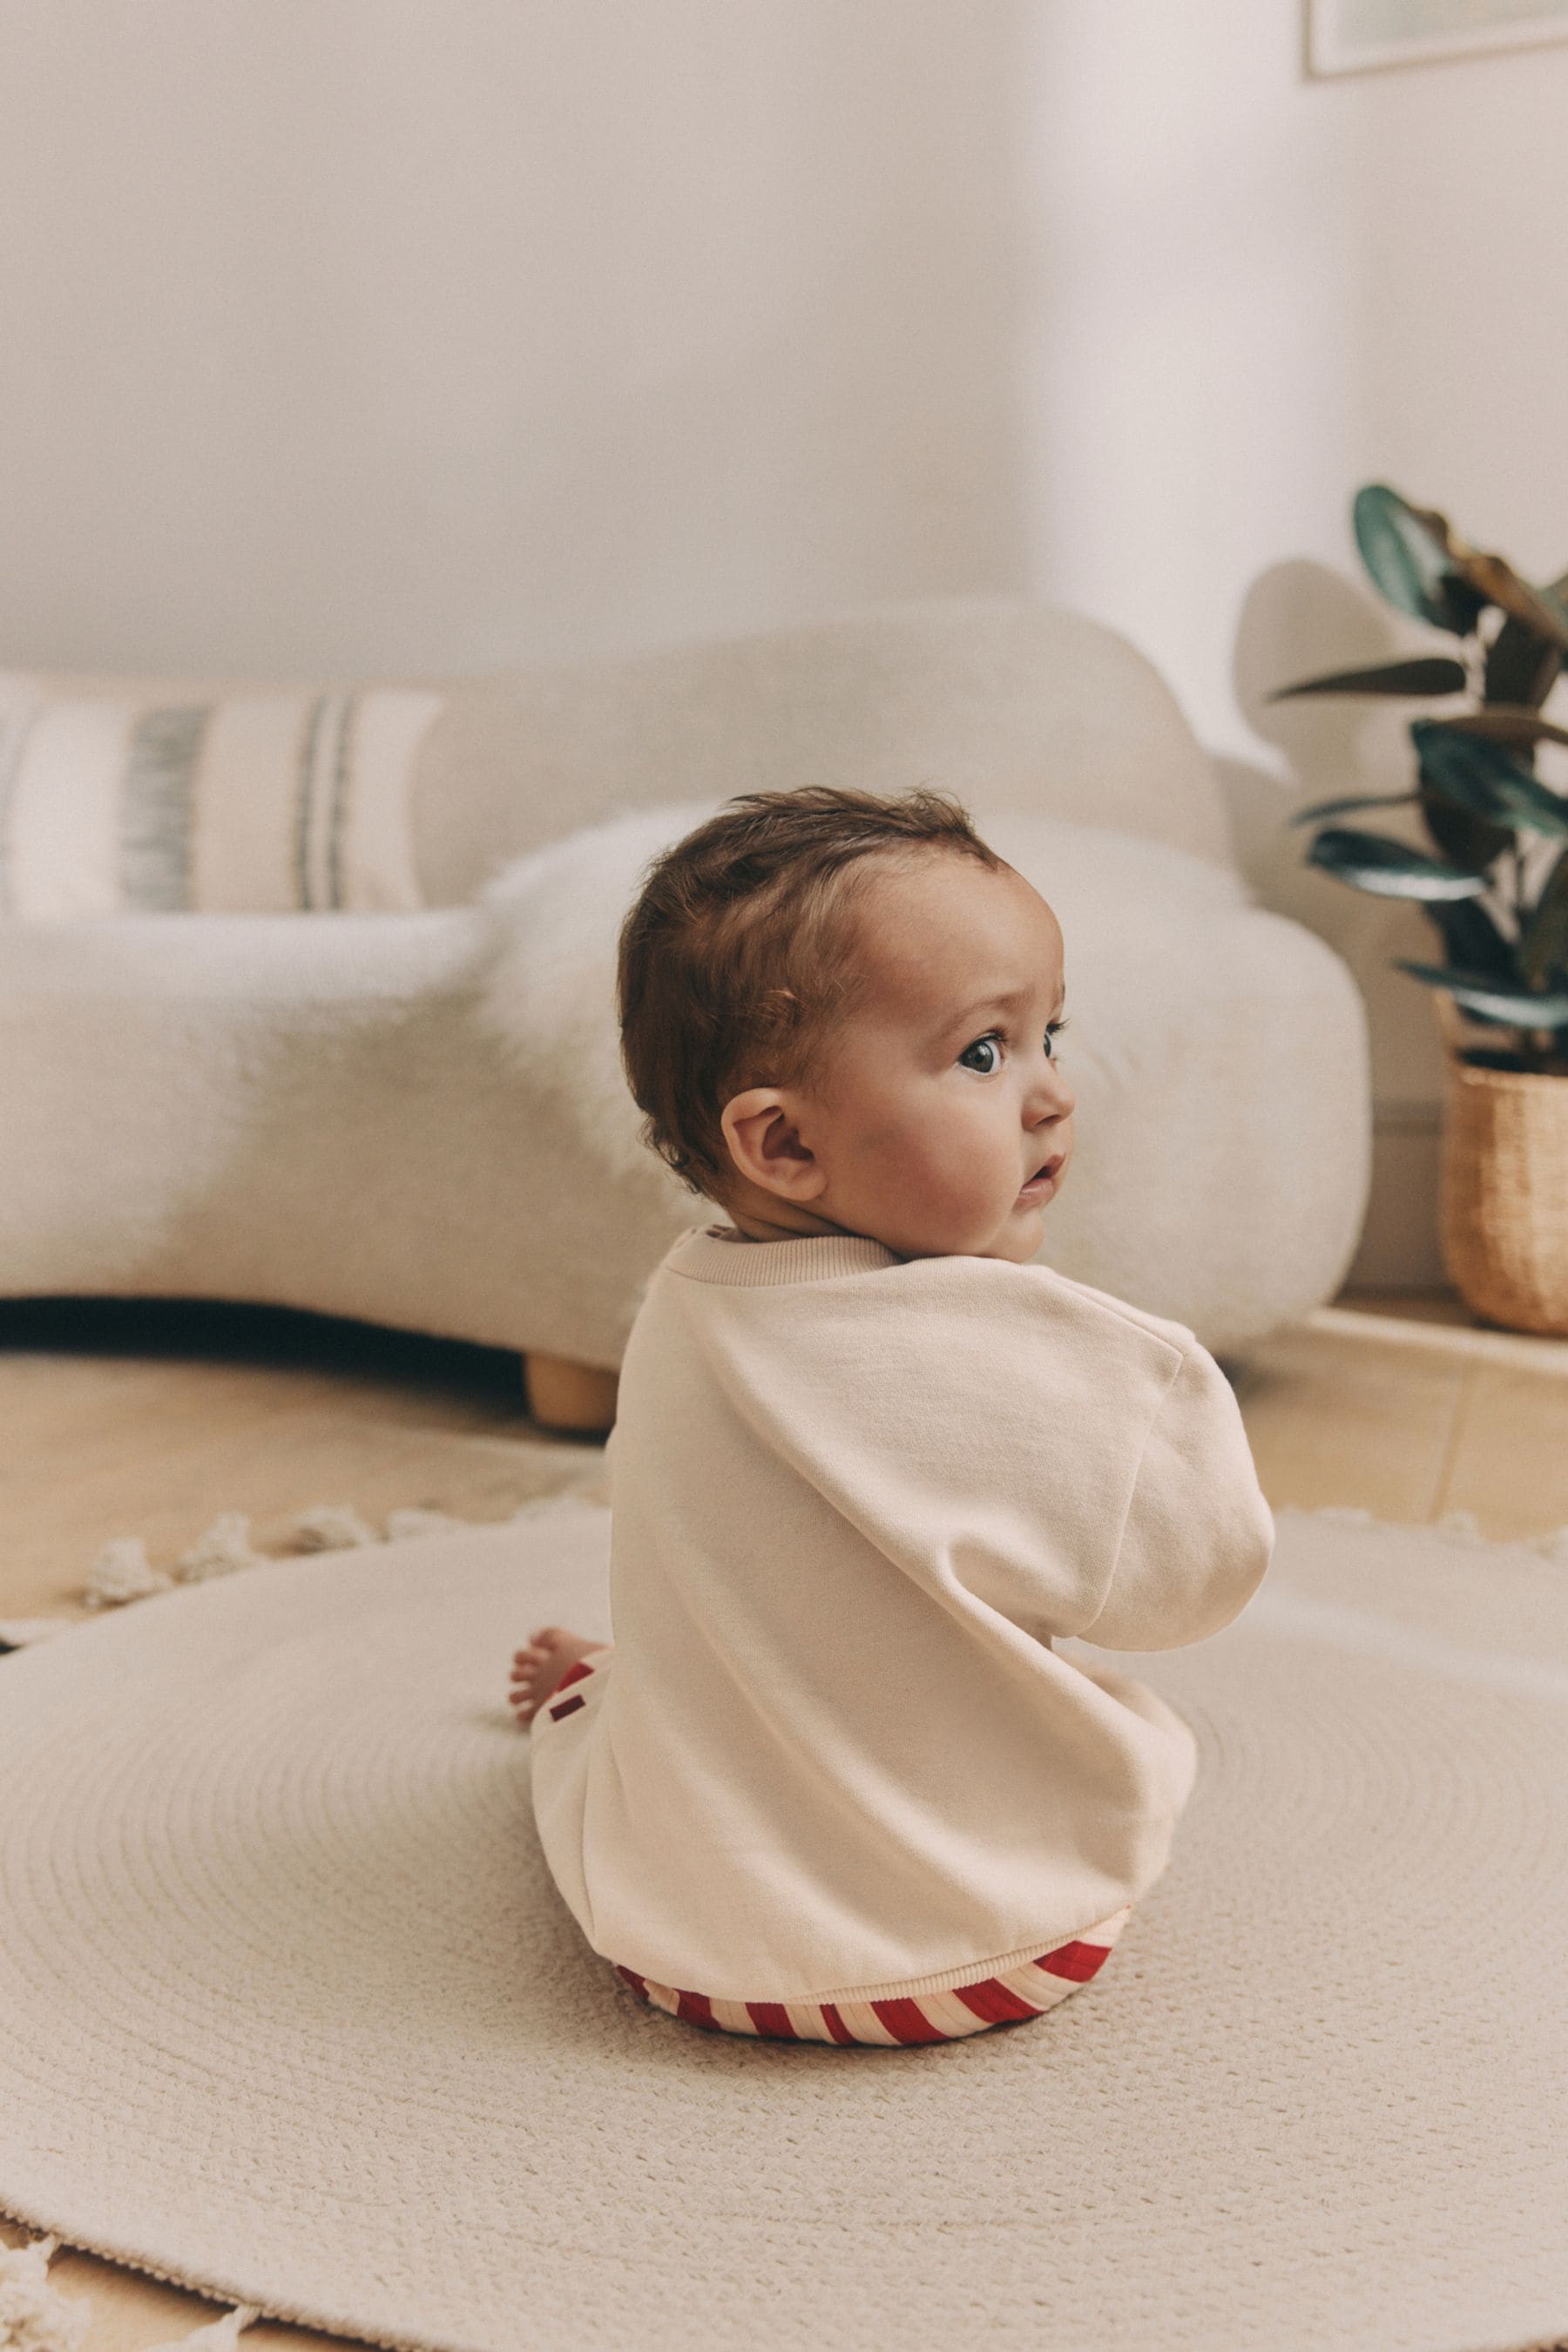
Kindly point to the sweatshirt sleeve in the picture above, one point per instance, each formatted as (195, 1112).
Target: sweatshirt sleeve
(1198, 1534)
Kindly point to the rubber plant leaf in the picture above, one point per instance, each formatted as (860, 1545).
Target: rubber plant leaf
(1459, 814)
(1390, 869)
(1471, 841)
(1517, 1007)
(1543, 943)
(1522, 668)
(1433, 674)
(1487, 779)
(1320, 809)
(1473, 942)
(1515, 724)
(1408, 560)
(1494, 581)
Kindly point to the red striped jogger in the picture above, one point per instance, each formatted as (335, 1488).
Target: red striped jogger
(1026, 1989)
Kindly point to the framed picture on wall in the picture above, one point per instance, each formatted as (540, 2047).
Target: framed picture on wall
(1353, 35)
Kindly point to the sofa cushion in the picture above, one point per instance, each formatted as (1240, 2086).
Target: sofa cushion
(1010, 705)
(145, 798)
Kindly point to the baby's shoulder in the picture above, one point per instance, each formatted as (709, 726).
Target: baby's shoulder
(1106, 1306)
(1032, 1293)
(990, 1321)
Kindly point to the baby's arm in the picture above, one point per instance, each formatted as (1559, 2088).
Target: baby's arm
(1198, 1534)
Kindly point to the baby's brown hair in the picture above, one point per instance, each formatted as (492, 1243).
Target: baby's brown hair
(739, 952)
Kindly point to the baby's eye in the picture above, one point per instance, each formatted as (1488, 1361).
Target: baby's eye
(1053, 1031)
(990, 1048)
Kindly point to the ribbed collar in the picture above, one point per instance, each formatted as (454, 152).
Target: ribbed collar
(720, 1254)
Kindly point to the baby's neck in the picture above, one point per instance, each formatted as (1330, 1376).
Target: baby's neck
(788, 1227)
(763, 1218)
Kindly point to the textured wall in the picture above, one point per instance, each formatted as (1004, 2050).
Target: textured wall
(432, 331)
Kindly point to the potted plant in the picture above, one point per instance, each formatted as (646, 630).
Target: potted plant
(1492, 878)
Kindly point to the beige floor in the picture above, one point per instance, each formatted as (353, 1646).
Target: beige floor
(150, 1421)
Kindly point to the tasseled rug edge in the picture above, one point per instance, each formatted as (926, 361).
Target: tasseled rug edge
(36, 2317)
(123, 1571)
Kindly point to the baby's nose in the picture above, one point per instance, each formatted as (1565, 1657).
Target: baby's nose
(1054, 1098)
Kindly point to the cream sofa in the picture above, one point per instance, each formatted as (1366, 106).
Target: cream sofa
(417, 1119)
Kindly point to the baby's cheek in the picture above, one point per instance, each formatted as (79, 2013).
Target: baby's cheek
(944, 1159)
(966, 1179)
(920, 1169)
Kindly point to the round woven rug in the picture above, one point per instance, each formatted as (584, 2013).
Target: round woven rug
(291, 2012)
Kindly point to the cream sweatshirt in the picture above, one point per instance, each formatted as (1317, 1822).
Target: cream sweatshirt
(855, 1498)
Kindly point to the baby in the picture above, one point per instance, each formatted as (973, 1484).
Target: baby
(834, 1783)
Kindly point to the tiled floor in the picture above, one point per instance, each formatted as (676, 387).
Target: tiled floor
(151, 1421)
(1411, 1409)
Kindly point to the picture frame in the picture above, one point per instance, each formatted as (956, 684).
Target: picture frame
(1346, 37)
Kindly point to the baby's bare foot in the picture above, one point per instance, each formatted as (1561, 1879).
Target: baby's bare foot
(537, 1669)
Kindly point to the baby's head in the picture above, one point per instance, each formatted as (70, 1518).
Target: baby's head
(838, 1013)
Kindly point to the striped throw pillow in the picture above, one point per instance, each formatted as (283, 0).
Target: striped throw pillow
(260, 803)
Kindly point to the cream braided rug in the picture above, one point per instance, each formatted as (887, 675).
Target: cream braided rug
(288, 2010)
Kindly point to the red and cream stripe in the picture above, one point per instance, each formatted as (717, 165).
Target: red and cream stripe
(1024, 1991)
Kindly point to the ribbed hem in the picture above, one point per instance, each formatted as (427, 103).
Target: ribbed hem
(720, 1254)
(967, 1972)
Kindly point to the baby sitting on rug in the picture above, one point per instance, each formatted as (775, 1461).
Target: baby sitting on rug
(833, 1783)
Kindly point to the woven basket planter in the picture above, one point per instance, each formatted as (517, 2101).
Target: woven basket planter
(1503, 1200)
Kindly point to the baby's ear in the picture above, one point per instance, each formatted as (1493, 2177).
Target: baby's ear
(765, 1143)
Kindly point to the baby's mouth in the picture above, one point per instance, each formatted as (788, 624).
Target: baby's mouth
(1044, 1177)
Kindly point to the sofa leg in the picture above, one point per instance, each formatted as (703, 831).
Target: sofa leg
(563, 1395)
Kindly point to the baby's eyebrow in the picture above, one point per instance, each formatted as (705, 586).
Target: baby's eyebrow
(1004, 1000)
